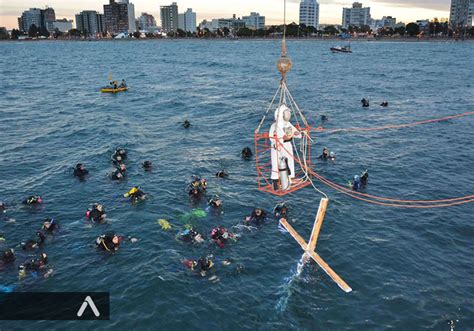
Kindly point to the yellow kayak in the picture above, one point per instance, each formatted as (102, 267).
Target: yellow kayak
(113, 90)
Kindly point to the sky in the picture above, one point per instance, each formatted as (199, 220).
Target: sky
(330, 10)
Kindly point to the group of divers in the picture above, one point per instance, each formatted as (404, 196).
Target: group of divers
(110, 242)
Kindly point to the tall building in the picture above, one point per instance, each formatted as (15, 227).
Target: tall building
(169, 18)
(41, 18)
(28, 18)
(119, 17)
(187, 21)
(309, 13)
(49, 17)
(357, 15)
(90, 22)
(462, 13)
(254, 21)
(146, 22)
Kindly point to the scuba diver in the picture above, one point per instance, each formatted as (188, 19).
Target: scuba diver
(123, 83)
(332, 156)
(220, 235)
(360, 181)
(186, 124)
(246, 153)
(324, 155)
(215, 202)
(364, 178)
(324, 118)
(197, 187)
(108, 242)
(119, 172)
(33, 200)
(31, 244)
(280, 210)
(80, 171)
(96, 213)
(3, 207)
(257, 217)
(34, 264)
(119, 156)
(191, 236)
(8, 256)
(365, 102)
(222, 174)
(384, 104)
(135, 194)
(202, 265)
(50, 225)
(147, 165)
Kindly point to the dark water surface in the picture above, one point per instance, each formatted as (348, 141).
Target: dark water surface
(410, 269)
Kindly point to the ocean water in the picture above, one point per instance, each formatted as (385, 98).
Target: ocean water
(409, 269)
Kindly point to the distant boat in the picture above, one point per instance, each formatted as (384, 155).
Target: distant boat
(339, 49)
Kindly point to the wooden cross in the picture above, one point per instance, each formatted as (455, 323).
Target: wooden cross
(309, 249)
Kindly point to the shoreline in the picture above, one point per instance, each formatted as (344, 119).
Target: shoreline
(411, 40)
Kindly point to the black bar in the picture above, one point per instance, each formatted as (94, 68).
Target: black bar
(53, 306)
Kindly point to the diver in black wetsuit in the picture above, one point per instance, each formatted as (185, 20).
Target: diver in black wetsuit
(119, 173)
(222, 174)
(119, 156)
(186, 124)
(108, 242)
(8, 256)
(246, 153)
(215, 202)
(365, 102)
(191, 236)
(257, 217)
(35, 264)
(31, 244)
(135, 194)
(324, 155)
(33, 200)
(281, 210)
(80, 171)
(50, 225)
(147, 165)
(96, 213)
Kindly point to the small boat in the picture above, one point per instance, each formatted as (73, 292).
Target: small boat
(113, 90)
(339, 49)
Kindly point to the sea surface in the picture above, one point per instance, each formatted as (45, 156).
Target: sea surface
(410, 269)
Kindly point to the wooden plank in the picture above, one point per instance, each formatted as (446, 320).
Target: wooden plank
(318, 222)
(294, 234)
(327, 269)
(331, 273)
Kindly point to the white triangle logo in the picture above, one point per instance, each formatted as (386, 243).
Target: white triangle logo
(88, 302)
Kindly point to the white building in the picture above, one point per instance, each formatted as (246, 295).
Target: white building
(309, 13)
(357, 15)
(187, 21)
(28, 18)
(254, 21)
(63, 25)
(461, 13)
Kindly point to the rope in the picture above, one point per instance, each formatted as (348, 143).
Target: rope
(396, 126)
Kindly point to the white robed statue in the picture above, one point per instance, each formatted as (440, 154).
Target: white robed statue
(283, 163)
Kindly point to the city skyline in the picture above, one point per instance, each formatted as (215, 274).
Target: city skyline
(330, 11)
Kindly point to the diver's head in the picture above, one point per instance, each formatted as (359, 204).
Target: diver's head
(122, 167)
(356, 178)
(44, 258)
(8, 255)
(116, 239)
(99, 207)
(147, 164)
(258, 211)
(325, 151)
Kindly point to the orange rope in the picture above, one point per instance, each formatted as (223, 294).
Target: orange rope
(399, 203)
(397, 126)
